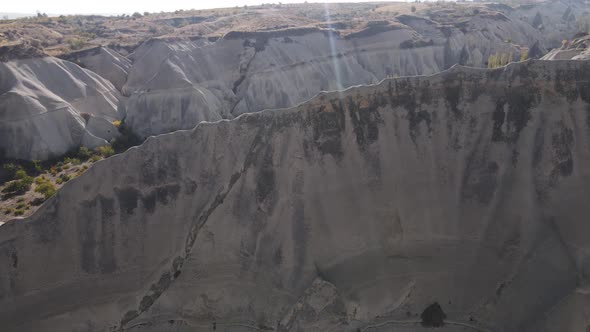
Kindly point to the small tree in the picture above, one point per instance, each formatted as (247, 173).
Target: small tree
(136, 15)
(503, 59)
(105, 151)
(45, 187)
(537, 21)
(413, 9)
(19, 186)
(524, 55)
(10, 169)
(84, 153)
(433, 316)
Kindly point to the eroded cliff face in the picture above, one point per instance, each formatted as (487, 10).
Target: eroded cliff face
(355, 210)
(42, 101)
(175, 84)
(105, 62)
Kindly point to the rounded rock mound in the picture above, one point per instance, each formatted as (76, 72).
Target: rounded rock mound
(42, 101)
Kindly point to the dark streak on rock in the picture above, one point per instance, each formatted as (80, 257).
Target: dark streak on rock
(158, 288)
(562, 143)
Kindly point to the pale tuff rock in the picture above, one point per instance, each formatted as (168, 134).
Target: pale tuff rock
(42, 101)
(175, 84)
(577, 49)
(464, 192)
(105, 62)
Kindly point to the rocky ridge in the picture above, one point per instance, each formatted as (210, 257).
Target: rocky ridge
(50, 106)
(218, 65)
(356, 210)
(175, 84)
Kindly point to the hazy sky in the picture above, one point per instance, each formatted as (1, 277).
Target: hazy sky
(127, 6)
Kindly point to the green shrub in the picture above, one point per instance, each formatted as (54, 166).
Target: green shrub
(95, 158)
(76, 43)
(524, 55)
(8, 211)
(105, 151)
(10, 168)
(84, 153)
(46, 188)
(19, 186)
(499, 60)
(74, 161)
(21, 206)
(63, 178)
(19, 212)
(126, 140)
(20, 174)
(37, 166)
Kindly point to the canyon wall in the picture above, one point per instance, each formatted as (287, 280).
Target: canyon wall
(356, 210)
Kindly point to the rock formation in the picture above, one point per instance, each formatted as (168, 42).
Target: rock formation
(42, 101)
(105, 62)
(456, 199)
(175, 84)
(577, 49)
(557, 20)
(178, 80)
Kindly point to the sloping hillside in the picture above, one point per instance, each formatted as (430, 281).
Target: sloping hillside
(459, 197)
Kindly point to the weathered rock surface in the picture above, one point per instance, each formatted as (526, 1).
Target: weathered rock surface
(175, 84)
(557, 20)
(577, 49)
(105, 62)
(355, 210)
(41, 102)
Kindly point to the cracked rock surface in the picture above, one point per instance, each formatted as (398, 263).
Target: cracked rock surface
(357, 210)
(175, 83)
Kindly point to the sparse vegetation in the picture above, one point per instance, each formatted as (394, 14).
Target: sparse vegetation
(10, 169)
(95, 158)
(20, 186)
(22, 206)
(33, 191)
(37, 166)
(74, 161)
(63, 178)
(105, 151)
(20, 174)
(76, 43)
(45, 187)
(524, 55)
(499, 60)
(84, 153)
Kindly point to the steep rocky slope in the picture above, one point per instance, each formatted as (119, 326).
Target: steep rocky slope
(105, 62)
(577, 49)
(357, 210)
(557, 20)
(190, 66)
(175, 84)
(41, 105)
